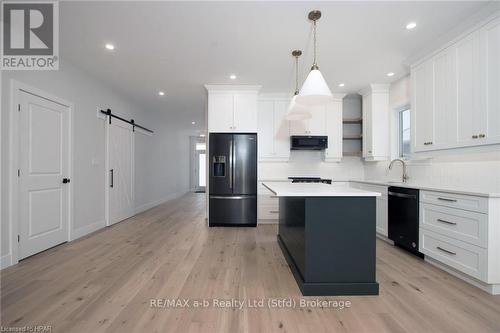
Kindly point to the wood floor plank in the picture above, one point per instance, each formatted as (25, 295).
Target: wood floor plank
(105, 282)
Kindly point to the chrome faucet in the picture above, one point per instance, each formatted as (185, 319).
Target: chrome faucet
(405, 175)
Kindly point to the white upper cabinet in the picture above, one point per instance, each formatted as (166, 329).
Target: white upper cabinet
(456, 93)
(423, 101)
(232, 108)
(273, 129)
(445, 99)
(375, 110)
(468, 91)
(245, 112)
(489, 128)
(334, 130)
(220, 112)
(313, 126)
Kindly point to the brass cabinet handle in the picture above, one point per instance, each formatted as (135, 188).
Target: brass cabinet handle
(482, 135)
(446, 251)
(447, 222)
(274, 211)
(475, 136)
(427, 143)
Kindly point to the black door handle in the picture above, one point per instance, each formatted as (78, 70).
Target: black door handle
(112, 178)
(66, 180)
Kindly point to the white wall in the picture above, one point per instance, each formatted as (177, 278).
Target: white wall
(162, 160)
(310, 163)
(475, 167)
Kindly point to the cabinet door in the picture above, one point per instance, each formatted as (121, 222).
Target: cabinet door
(266, 129)
(281, 130)
(245, 113)
(445, 100)
(489, 127)
(299, 127)
(367, 126)
(220, 112)
(423, 109)
(468, 88)
(382, 216)
(316, 125)
(334, 131)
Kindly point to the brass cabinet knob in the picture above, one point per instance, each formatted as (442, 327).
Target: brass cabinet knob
(482, 135)
(474, 136)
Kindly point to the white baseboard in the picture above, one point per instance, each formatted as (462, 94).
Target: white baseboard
(5, 261)
(267, 221)
(384, 238)
(143, 208)
(493, 289)
(82, 231)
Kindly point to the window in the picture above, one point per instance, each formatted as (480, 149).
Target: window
(404, 133)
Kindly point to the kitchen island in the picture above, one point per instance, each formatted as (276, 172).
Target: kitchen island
(327, 235)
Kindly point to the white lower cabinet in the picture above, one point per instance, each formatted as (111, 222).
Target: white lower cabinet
(267, 205)
(461, 232)
(467, 258)
(382, 215)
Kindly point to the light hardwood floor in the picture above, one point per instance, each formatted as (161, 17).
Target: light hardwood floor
(104, 283)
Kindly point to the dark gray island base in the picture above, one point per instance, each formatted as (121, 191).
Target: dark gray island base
(329, 244)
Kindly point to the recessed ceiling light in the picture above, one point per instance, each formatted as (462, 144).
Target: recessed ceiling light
(390, 74)
(161, 93)
(193, 123)
(109, 46)
(341, 84)
(232, 77)
(411, 25)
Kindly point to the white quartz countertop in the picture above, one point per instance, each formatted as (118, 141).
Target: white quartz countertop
(439, 188)
(289, 189)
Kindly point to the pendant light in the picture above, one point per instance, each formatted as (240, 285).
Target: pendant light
(314, 91)
(296, 111)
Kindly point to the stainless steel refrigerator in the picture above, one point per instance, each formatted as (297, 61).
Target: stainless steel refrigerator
(233, 179)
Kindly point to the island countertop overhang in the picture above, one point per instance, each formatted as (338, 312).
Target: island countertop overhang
(289, 189)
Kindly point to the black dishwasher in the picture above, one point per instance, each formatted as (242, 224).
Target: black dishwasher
(403, 218)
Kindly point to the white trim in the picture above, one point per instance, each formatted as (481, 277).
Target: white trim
(384, 238)
(15, 88)
(493, 289)
(5, 261)
(145, 207)
(85, 230)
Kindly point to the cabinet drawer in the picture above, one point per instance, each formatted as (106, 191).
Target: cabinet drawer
(467, 258)
(268, 212)
(467, 202)
(470, 227)
(369, 187)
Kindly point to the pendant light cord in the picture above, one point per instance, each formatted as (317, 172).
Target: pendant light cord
(314, 36)
(296, 75)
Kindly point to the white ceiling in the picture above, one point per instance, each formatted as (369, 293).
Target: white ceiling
(177, 47)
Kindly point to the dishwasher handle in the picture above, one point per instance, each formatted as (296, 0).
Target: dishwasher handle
(402, 195)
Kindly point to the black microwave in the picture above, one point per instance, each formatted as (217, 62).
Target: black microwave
(313, 142)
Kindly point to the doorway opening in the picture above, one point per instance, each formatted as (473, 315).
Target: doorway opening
(198, 164)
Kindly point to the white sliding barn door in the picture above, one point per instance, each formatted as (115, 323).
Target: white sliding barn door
(44, 151)
(120, 171)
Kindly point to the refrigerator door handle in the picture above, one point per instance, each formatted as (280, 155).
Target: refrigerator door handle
(231, 164)
(238, 197)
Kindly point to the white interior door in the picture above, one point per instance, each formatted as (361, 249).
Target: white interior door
(121, 171)
(44, 151)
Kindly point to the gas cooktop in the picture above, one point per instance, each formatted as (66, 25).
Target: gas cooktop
(310, 180)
